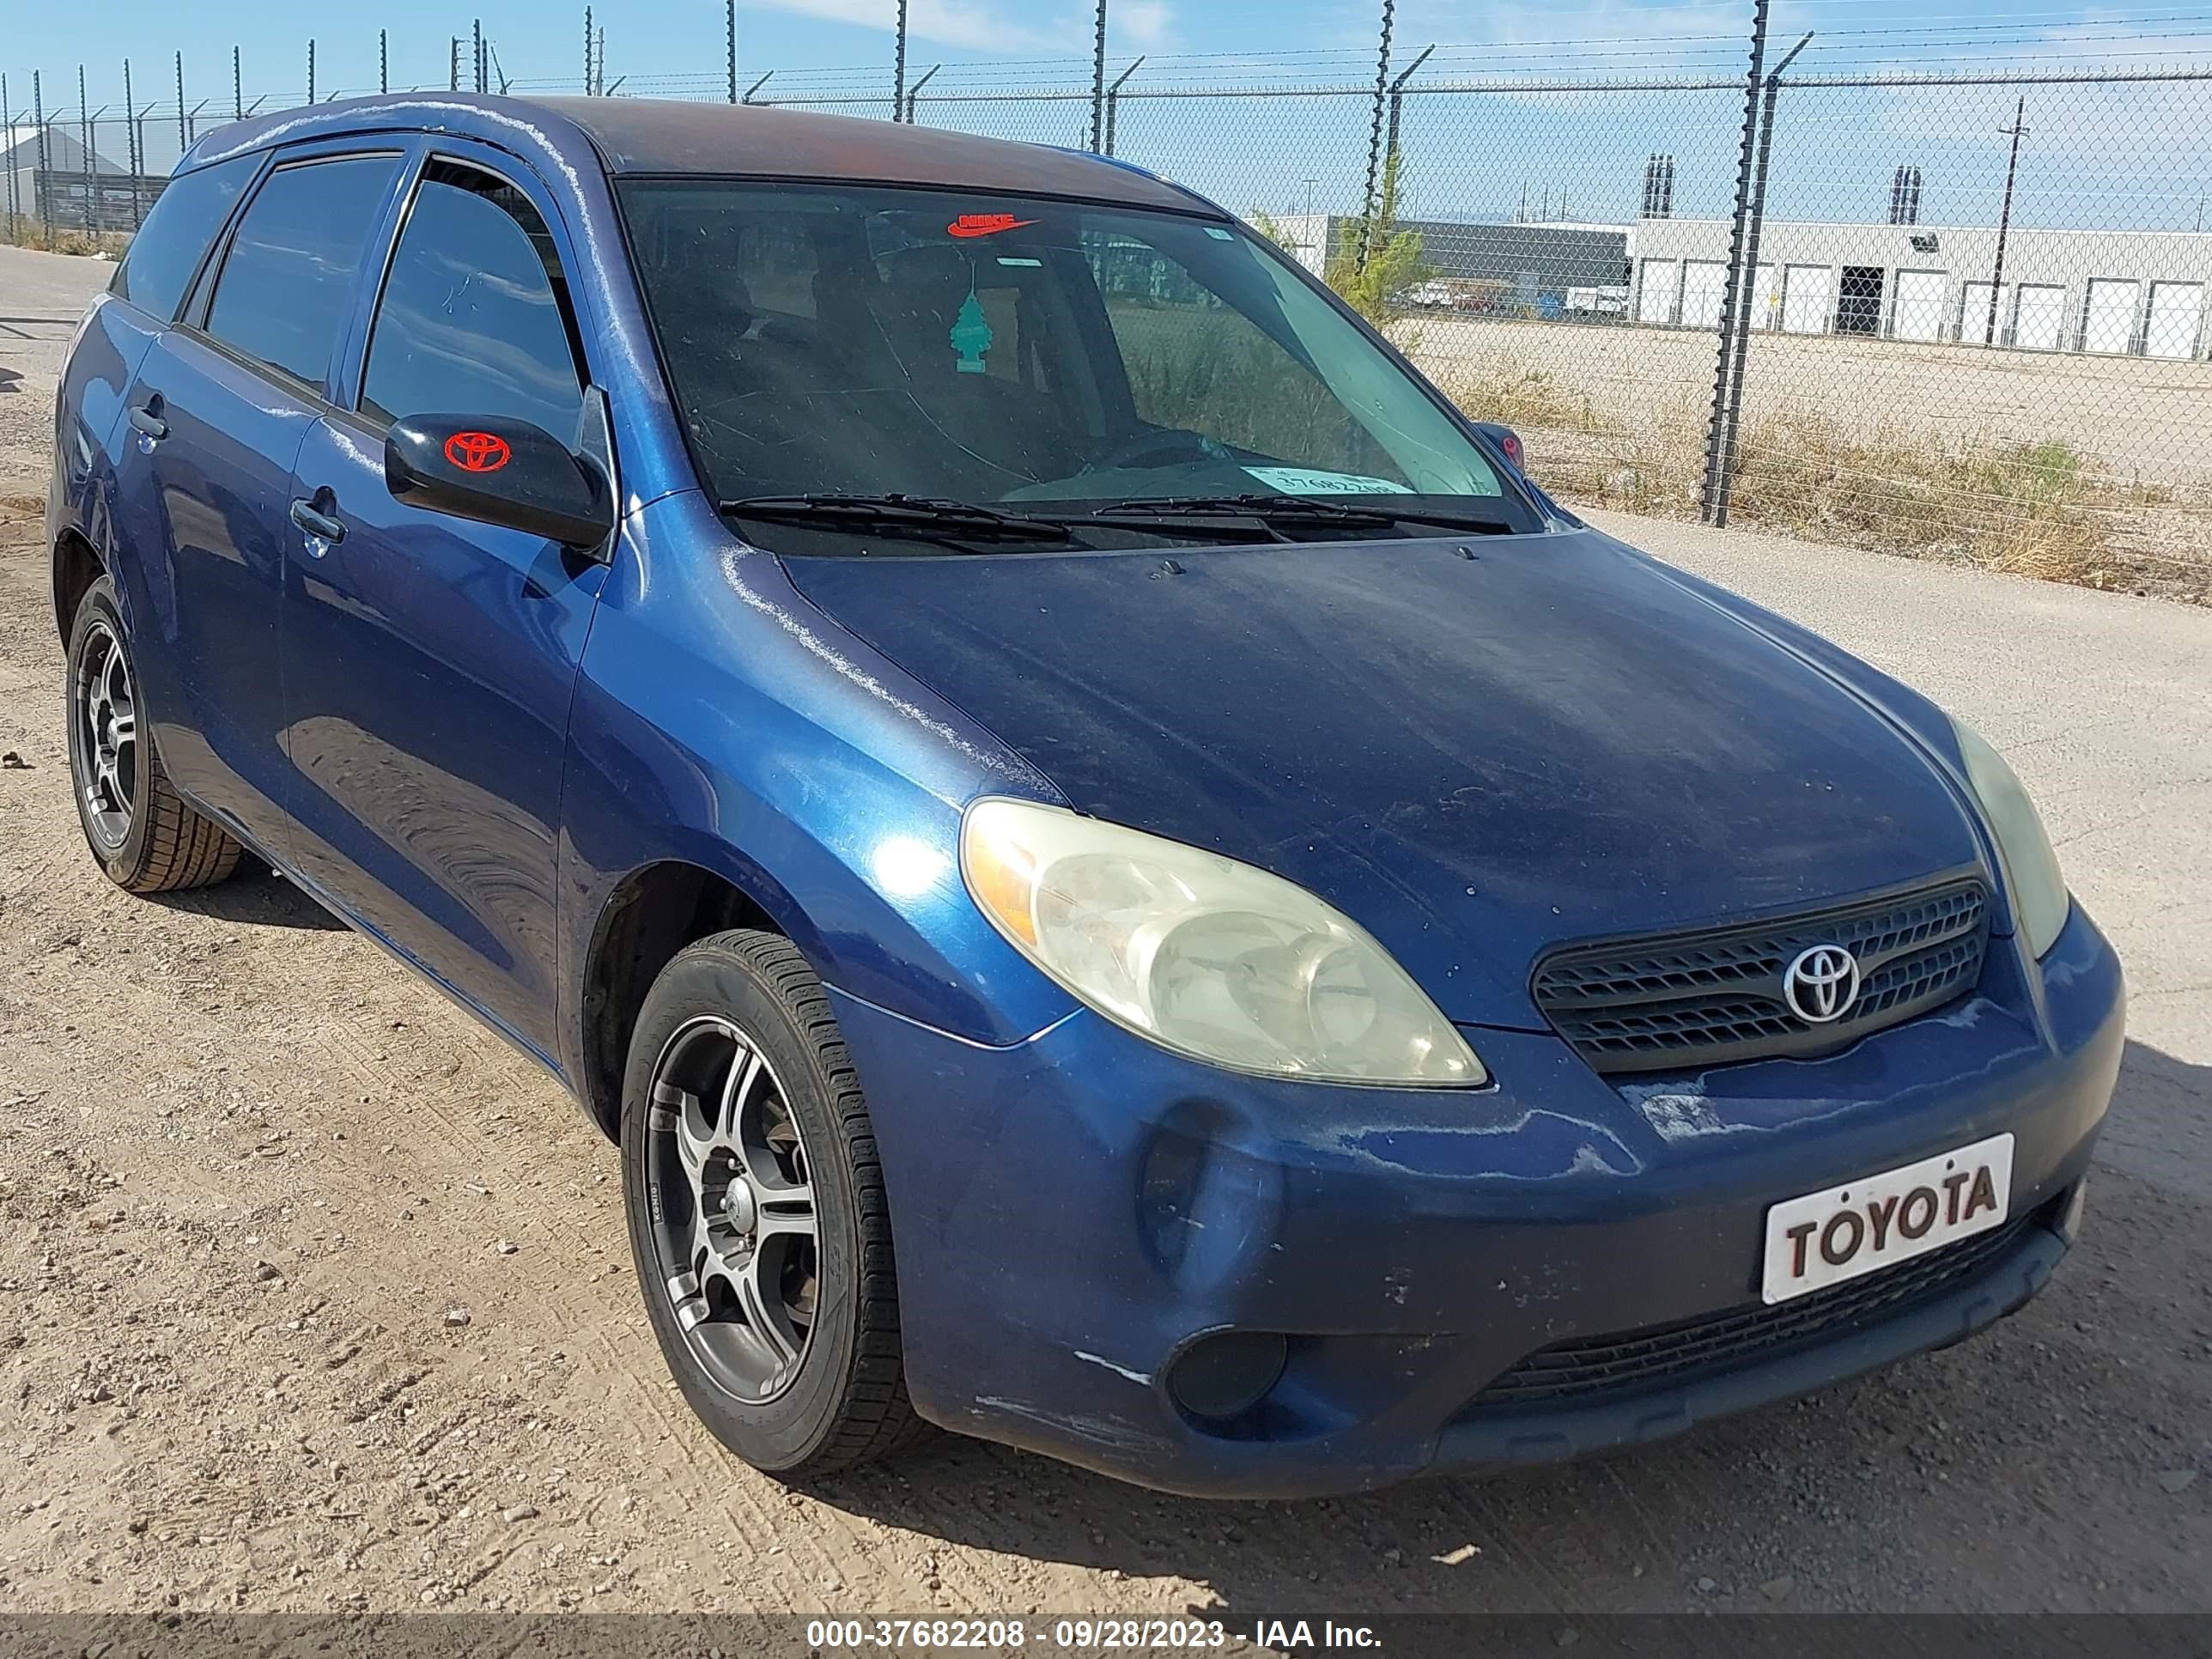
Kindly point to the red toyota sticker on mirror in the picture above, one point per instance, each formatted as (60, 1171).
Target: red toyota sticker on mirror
(477, 452)
(985, 224)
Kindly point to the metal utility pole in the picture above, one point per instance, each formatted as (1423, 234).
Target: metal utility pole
(453, 63)
(1113, 101)
(913, 92)
(476, 34)
(730, 29)
(311, 71)
(1717, 498)
(2016, 131)
(384, 60)
(898, 67)
(1098, 83)
(183, 137)
(237, 88)
(599, 64)
(1374, 138)
(587, 51)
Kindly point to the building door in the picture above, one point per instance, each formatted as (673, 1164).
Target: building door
(1979, 324)
(2108, 324)
(2041, 317)
(1858, 301)
(1806, 293)
(1655, 301)
(1764, 305)
(2177, 311)
(1919, 306)
(1702, 280)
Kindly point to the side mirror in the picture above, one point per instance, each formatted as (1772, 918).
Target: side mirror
(1507, 439)
(498, 470)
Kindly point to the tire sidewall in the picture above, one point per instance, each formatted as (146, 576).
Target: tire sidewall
(711, 978)
(126, 863)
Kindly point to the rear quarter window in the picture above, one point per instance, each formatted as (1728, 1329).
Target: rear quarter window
(183, 220)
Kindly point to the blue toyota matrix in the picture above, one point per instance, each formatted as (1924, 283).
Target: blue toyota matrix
(1125, 881)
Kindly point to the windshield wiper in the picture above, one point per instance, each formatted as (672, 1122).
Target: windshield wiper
(1308, 509)
(919, 516)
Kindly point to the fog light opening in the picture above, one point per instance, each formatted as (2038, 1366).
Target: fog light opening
(1224, 1376)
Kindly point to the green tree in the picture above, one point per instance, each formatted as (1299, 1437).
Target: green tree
(1380, 260)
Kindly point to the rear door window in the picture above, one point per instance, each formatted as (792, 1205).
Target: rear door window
(178, 227)
(281, 296)
(475, 317)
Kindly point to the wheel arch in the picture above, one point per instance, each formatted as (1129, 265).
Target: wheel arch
(77, 564)
(649, 916)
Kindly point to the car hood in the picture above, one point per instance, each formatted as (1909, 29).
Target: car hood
(1477, 750)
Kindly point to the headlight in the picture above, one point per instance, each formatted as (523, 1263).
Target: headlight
(1203, 955)
(2031, 868)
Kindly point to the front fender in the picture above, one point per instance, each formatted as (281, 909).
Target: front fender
(721, 721)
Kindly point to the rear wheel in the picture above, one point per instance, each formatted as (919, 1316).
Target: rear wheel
(756, 1212)
(145, 833)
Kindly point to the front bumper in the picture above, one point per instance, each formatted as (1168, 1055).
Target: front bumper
(1072, 1213)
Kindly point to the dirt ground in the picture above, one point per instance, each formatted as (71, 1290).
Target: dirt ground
(313, 1296)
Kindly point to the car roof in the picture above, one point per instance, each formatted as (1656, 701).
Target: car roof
(668, 137)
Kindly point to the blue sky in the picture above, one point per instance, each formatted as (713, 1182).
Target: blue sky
(2132, 155)
(539, 41)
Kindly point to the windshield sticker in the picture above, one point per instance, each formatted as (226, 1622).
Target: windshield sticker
(971, 335)
(985, 224)
(1301, 481)
(1033, 264)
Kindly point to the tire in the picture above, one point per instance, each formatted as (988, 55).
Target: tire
(145, 836)
(842, 1400)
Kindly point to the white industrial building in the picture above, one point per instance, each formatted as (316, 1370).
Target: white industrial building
(2112, 292)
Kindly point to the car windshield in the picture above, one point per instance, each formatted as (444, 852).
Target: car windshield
(1043, 356)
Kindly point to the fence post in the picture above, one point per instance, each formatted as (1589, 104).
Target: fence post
(42, 187)
(1733, 292)
(1113, 101)
(1398, 100)
(1098, 84)
(84, 143)
(1725, 484)
(1375, 140)
(898, 67)
(913, 92)
(130, 144)
(7, 126)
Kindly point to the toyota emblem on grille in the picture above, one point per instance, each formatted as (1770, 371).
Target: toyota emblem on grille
(1820, 984)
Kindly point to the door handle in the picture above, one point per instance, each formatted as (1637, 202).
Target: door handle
(146, 421)
(316, 522)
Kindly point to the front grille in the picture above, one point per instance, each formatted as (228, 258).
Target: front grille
(1703, 999)
(1587, 1370)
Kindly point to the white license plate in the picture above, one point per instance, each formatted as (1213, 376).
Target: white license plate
(1865, 1225)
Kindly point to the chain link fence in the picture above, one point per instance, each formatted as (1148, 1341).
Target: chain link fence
(1965, 314)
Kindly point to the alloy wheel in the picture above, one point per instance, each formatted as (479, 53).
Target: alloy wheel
(106, 751)
(735, 1230)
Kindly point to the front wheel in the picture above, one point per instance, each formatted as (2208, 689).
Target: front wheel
(145, 835)
(756, 1212)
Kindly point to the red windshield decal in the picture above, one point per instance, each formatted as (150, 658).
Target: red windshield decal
(985, 224)
(477, 452)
